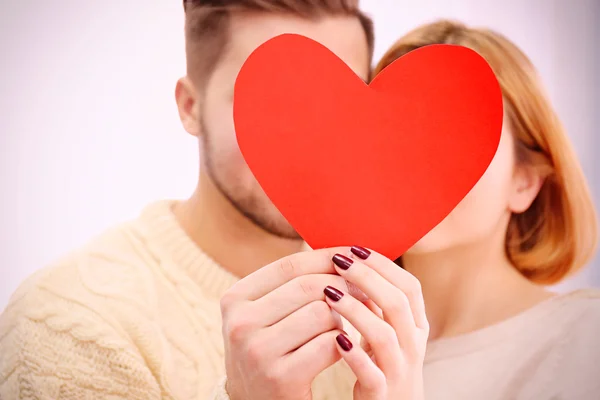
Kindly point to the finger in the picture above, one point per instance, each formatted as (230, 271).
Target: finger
(377, 311)
(274, 275)
(392, 301)
(372, 380)
(378, 333)
(312, 358)
(291, 297)
(373, 307)
(398, 277)
(299, 328)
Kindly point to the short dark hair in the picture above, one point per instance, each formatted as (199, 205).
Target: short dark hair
(207, 23)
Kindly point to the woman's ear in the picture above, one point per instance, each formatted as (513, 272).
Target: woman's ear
(526, 185)
(188, 106)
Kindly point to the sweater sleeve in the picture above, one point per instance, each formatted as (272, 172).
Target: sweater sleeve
(50, 350)
(220, 391)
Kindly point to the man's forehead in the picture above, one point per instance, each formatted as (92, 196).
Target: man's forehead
(344, 36)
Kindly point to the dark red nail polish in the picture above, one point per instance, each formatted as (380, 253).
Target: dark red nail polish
(360, 252)
(344, 342)
(333, 293)
(342, 261)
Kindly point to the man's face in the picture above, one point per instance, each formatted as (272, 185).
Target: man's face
(225, 165)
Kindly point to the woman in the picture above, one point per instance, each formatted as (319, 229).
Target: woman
(491, 329)
(495, 330)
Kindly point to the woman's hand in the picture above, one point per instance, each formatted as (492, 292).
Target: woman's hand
(392, 322)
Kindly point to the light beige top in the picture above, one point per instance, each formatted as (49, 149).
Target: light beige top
(135, 315)
(551, 351)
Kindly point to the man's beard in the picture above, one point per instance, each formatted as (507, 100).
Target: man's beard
(249, 204)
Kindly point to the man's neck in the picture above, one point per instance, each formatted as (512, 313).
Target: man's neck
(472, 287)
(227, 236)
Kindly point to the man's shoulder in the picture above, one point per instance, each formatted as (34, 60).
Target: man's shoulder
(67, 323)
(110, 267)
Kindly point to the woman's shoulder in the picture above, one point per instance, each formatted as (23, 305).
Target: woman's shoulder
(582, 301)
(579, 344)
(586, 294)
(578, 313)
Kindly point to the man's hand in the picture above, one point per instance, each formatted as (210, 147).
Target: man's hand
(279, 332)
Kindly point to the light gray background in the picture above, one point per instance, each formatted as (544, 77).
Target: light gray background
(89, 131)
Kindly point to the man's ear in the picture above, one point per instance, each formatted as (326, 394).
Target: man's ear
(188, 105)
(527, 182)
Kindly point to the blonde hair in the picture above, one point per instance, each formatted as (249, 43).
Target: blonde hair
(557, 235)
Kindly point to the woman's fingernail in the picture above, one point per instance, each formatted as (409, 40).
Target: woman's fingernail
(342, 261)
(344, 342)
(333, 293)
(360, 252)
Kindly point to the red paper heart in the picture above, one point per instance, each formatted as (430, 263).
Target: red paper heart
(375, 165)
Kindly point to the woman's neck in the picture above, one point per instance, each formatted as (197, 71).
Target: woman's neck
(471, 287)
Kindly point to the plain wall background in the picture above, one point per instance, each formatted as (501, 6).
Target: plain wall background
(89, 130)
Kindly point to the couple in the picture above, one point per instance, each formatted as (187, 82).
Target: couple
(217, 297)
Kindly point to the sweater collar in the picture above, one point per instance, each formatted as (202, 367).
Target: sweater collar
(166, 234)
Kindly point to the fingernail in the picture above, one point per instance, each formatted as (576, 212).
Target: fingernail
(360, 252)
(342, 261)
(344, 342)
(333, 293)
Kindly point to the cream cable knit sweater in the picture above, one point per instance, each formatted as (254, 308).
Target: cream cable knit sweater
(135, 315)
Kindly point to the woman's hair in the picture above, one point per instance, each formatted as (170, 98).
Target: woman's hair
(557, 234)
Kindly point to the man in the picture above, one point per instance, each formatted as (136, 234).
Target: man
(135, 313)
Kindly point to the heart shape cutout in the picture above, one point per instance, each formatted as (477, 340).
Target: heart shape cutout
(376, 165)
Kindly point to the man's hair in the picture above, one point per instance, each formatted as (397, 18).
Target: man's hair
(207, 25)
